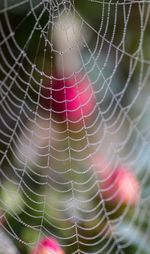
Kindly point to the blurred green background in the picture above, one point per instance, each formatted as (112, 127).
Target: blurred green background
(35, 205)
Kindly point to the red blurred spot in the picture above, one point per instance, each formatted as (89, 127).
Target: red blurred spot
(48, 245)
(70, 98)
(119, 184)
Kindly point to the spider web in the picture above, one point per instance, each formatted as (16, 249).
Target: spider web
(50, 183)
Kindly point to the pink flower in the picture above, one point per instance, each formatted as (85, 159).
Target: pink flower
(72, 98)
(48, 245)
(119, 184)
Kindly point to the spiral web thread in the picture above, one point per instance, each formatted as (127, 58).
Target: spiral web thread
(47, 163)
